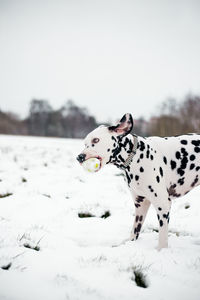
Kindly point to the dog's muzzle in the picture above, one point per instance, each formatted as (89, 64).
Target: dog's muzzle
(81, 158)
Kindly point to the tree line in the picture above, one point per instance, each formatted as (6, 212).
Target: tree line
(72, 121)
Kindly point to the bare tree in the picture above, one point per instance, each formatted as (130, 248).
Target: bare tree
(177, 118)
(39, 117)
(11, 124)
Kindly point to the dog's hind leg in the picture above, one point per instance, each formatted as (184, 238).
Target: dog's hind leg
(141, 209)
(163, 212)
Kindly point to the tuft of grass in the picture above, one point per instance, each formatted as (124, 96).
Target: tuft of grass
(36, 248)
(85, 215)
(46, 195)
(89, 215)
(106, 214)
(5, 195)
(139, 278)
(6, 267)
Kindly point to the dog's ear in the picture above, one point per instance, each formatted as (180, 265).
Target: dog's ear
(124, 126)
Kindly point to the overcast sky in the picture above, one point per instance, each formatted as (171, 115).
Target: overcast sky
(110, 56)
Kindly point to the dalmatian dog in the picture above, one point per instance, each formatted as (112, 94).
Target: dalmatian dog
(156, 169)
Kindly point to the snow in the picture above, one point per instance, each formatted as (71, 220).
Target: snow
(48, 252)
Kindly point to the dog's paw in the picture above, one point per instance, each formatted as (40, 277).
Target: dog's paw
(132, 237)
(160, 247)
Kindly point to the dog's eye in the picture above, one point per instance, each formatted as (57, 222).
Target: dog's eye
(95, 141)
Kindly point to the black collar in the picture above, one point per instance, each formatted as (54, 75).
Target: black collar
(130, 157)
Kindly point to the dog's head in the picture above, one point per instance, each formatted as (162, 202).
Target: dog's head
(102, 142)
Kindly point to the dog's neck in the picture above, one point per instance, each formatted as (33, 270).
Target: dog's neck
(123, 151)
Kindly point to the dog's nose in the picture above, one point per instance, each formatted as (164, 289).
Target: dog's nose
(81, 157)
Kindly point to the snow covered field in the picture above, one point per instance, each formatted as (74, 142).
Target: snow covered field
(50, 250)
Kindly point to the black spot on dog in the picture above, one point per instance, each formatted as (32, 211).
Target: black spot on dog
(197, 168)
(142, 146)
(155, 195)
(178, 155)
(184, 152)
(184, 142)
(113, 138)
(139, 227)
(151, 156)
(158, 216)
(161, 223)
(173, 164)
(141, 156)
(165, 160)
(196, 143)
(181, 180)
(159, 208)
(184, 162)
(140, 199)
(180, 171)
(141, 169)
(161, 171)
(166, 216)
(192, 166)
(136, 177)
(192, 157)
(158, 179)
(137, 219)
(121, 158)
(172, 191)
(197, 149)
(108, 149)
(141, 218)
(150, 188)
(195, 181)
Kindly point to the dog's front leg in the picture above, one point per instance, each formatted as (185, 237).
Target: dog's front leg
(141, 208)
